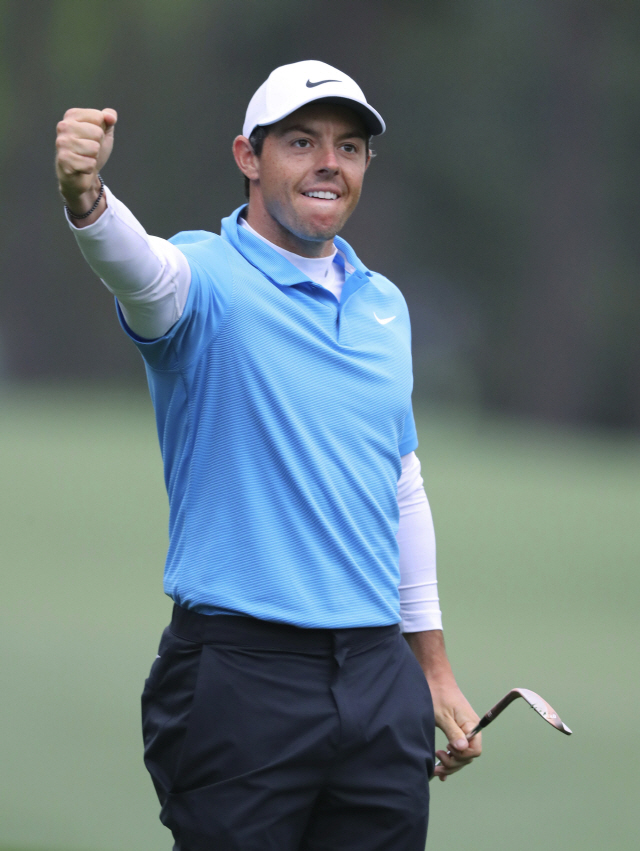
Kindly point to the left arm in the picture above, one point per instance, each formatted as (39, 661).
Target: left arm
(453, 713)
(422, 621)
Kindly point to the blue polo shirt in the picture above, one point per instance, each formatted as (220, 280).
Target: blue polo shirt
(282, 416)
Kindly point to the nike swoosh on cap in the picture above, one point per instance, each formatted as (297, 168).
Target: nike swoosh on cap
(384, 321)
(311, 85)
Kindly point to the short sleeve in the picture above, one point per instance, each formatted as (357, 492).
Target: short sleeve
(409, 440)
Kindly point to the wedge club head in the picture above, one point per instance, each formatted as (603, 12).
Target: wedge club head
(544, 709)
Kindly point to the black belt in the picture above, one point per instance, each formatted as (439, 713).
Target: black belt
(244, 631)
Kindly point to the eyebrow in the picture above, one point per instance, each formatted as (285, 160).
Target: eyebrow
(301, 128)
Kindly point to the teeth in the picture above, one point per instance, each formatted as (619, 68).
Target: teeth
(328, 196)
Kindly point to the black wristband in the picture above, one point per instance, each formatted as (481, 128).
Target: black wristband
(97, 201)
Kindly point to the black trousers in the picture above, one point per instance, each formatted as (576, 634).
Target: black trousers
(266, 737)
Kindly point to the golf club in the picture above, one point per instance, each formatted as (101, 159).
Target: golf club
(544, 709)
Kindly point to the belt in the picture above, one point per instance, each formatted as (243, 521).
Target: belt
(242, 631)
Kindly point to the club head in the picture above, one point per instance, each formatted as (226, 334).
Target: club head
(541, 706)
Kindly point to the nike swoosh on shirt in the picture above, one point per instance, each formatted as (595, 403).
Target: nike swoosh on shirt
(384, 321)
(311, 85)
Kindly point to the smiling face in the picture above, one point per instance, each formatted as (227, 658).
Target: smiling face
(307, 181)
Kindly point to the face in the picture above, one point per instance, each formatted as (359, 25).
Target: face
(308, 178)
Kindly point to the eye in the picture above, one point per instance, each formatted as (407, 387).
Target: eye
(302, 143)
(350, 148)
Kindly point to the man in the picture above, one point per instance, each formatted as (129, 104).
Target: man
(285, 710)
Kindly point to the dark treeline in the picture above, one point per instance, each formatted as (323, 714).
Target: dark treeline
(504, 200)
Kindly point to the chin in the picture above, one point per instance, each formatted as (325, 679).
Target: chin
(319, 234)
(316, 231)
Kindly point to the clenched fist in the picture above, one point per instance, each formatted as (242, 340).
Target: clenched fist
(84, 144)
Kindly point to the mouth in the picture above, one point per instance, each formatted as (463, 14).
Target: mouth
(322, 195)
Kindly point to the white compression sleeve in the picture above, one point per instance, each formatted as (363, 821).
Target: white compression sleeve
(149, 276)
(419, 605)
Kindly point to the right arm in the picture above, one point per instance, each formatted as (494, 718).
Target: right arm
(149, 276)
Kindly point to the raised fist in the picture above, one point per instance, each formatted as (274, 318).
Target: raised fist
(83, 145)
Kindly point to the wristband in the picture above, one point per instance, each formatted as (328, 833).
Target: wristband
(97, 201)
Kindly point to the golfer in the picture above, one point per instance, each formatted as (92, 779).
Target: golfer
(292, 703)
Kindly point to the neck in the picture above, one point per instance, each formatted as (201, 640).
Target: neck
(268, 227)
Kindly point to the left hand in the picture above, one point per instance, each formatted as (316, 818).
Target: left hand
(453, 713)
(455, 717)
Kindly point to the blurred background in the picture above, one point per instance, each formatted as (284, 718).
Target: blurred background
(504, 202)
(504, 199)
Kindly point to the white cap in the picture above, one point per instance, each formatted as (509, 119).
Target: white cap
(291, 86)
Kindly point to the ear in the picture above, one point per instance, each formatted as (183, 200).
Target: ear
(245, 158)
(369, 158)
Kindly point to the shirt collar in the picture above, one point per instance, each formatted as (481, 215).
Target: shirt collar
(270, 262)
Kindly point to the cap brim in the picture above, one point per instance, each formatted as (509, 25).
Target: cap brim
(372, 119)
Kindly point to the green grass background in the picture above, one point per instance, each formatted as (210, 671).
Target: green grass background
(539, 550)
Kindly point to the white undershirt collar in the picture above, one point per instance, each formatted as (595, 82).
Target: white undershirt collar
(327, 272)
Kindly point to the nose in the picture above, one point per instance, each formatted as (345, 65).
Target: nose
(327, 161)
